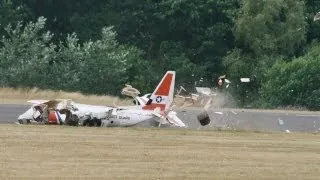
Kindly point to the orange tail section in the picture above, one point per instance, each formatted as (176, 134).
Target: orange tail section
(162, 97)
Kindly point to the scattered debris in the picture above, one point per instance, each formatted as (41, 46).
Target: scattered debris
(281, 124)
(315, 127)
(316, 17)
(287, 131)
(222, 77)
(220, 82)
(227, 81)
(204, 91)
(208, 104)
(280, 121)
(245, 79)
(183, 98)
(128, 90)
(234, 112)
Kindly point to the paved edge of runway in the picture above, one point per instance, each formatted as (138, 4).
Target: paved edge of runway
(242, 119)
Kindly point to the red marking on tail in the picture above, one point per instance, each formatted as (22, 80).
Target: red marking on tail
(164, 88)
(154, 106)
(160, 97)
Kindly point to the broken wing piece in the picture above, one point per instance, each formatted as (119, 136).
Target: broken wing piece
(174, 119)
(170, 118)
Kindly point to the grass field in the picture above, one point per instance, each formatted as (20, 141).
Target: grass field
(33, 152)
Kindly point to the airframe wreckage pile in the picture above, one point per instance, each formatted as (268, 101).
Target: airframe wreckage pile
(158, 106)
(155, 107)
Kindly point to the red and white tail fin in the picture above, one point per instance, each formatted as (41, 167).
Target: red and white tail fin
(162, 97)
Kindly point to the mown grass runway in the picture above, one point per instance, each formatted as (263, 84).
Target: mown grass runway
(146, 153)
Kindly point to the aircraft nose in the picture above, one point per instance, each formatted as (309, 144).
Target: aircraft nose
(23, 119)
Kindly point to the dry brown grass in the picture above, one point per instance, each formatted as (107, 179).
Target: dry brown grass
(33, 152)
(22, 95)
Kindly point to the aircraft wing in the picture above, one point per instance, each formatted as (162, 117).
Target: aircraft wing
(174, 119)
(170, 118)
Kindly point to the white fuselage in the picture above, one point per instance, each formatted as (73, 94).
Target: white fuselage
(92, 111)
(128, 117)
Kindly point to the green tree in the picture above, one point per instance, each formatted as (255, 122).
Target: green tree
(312, 7)
(28, 58)
(101, 66)
(202, 28)
(295, 83)
(264, 31)
(25, 52)
(11, 13)
(271, 27)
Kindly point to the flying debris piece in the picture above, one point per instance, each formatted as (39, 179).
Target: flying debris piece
(130, 91)
(280, 121)
(203, 118)
(316, 17)
(208, 104)
(204, 90)
(220, 113)
(245, 79)
(315, 127)
(234, 112)
(220, 82)
(222, 77)
(182, 88)
(287, 131)
(203, 97)
(281, 124)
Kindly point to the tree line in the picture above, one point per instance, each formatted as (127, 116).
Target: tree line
(97, 46)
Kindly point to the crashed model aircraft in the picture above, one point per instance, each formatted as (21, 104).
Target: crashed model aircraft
(152, 108)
